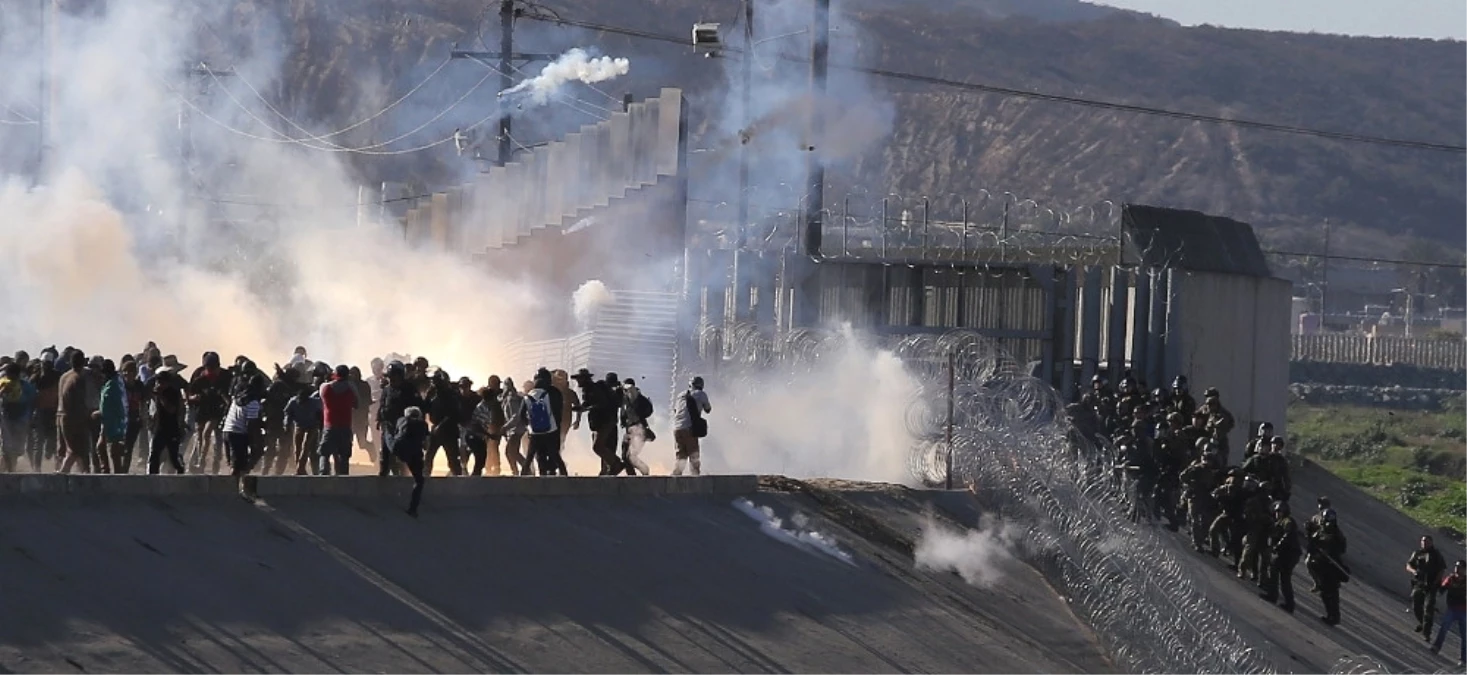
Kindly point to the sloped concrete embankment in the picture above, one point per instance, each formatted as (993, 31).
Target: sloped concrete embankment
(165, 574)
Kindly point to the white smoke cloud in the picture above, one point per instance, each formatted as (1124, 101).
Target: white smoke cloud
(251, 247)
(576, 65)
(978, 556)
(846, 418)
(799, 536)
(589, 299)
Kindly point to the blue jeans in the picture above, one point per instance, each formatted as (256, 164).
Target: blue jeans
(1454, 617)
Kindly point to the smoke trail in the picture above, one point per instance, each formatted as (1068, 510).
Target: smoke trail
(575, 65)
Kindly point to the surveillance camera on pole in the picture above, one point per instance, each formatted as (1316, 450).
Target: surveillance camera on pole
(706, 40)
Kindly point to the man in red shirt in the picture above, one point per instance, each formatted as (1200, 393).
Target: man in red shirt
(1455, 588)
(338, 403)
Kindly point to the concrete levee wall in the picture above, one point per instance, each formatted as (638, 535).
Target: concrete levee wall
(1232, 332)
(373, 486)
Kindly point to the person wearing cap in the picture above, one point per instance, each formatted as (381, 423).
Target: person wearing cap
(1311, 527)
(339, 405)
(636, 410)
(689, 427)
(468, 401)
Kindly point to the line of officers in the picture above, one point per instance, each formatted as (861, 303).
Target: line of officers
(1174, 456)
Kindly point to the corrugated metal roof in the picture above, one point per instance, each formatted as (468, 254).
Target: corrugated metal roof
(1191, 240)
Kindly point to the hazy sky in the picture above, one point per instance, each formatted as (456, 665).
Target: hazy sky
(1403, 18)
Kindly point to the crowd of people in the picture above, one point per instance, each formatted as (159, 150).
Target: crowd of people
(1175, 460)
(65, 411)
(1179, 467)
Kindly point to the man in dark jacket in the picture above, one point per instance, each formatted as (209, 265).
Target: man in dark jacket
(398, 394)
(1286, 552)
(602, 403)
(408, 441)
(444, 420)
(1426, 567)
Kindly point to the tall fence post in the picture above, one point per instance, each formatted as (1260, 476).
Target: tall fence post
(952, 379)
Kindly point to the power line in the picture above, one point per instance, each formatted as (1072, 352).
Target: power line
(1052, 98)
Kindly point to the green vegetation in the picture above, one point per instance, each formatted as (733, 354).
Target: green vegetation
(1415, 461)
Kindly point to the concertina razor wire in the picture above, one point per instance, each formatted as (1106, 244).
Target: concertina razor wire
(1012, 439)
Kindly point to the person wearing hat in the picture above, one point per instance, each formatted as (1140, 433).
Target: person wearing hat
(468, 402)
(1325, 560)
(601, 403)
(165, 391)
(1199, 480)
(339, 404)
(1259, 443)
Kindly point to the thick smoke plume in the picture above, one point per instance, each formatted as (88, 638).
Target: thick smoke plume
(248, 242)
(576, 65)
(588, 300)
(978, 556)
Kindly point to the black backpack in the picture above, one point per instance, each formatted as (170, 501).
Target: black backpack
(700, 425)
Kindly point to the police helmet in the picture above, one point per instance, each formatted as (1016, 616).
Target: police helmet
(1097, 379)
(1179, 382)
(1281, 508)
(1322, 502)
(1175, 417)
(1211, 392)
(396, 369)
(1265, 426)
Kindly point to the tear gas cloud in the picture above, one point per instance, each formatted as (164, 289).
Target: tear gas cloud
(845, 417)
(576, 65)
(978, 556)
(589, 299)
(799, 534)
(119, 247)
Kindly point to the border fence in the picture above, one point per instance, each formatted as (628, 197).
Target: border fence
(1381, 351)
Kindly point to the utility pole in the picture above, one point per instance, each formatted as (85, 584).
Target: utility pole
(814, 168)
(1324, 283)
(505, 58)
(746, 78)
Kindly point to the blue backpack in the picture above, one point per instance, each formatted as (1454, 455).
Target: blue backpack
(537, 409)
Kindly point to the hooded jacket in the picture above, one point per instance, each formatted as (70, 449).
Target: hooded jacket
(339, 400)
(113, 406)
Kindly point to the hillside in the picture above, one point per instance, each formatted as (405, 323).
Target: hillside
(344, 56)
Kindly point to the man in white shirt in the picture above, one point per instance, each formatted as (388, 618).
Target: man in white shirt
(241, 424)
(689, 426)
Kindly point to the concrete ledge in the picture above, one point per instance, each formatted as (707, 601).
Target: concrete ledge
(374, 486)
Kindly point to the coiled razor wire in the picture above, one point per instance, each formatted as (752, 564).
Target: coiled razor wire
(1365, 665)
(1012, 440)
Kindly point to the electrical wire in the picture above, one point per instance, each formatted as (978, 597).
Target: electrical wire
(1053, 98)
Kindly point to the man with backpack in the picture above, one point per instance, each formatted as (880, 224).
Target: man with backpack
(544, 408)
(689, 427)
(636, 409)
